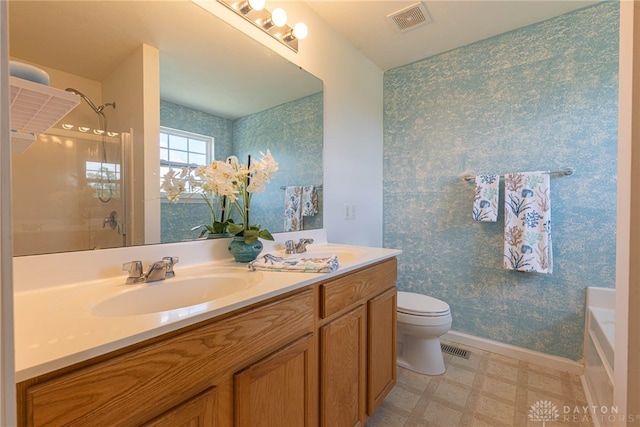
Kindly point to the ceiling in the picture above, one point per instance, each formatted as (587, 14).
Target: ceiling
(89, 38)
(205, 63)
(455, 23)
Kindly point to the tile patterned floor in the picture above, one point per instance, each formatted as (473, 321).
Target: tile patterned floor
(486, 390)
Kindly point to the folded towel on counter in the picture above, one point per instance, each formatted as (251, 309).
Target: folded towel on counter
(485, 201)
(527, 222)
(309, 200)
(293, 208)
(297, 265)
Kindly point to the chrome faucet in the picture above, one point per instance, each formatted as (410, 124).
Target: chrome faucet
(301, 246)
(170, 262)
(159, 270)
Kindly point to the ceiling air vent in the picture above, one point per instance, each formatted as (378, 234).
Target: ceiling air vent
(410, 17)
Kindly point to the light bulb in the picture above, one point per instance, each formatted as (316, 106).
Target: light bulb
(83, 129)
(67, 126)
(279, 17)
(300, 31)
(257, 4)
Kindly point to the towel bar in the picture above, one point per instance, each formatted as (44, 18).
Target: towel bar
(470, 177)
(317, 187)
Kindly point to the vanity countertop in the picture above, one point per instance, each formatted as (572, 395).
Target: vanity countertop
(58, 326)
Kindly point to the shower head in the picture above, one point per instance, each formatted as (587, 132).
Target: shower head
(99, 109)
(108, 104)
(83, 96)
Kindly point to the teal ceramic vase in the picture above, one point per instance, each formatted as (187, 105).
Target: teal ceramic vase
(244, 252)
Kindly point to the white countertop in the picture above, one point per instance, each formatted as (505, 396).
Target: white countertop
(55, 326)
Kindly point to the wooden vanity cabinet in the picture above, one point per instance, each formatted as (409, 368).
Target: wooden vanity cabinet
(278, 390)
(381, 347)
(196, 412)
(357, 343)
(186, 377)
(322, 355)
(343, 370)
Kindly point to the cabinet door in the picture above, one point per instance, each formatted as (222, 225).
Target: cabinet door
(278, 390)
(135, 386)
(381, 348)
(196, 412)
(342, 387)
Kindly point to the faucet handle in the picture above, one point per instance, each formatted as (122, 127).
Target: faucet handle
(290, 247)
(170, 261)
(134, 268)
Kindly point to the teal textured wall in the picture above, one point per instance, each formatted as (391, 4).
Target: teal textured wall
(292, 132)
(538, 98)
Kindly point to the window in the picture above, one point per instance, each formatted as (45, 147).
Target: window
(179, 149)
(104, 178)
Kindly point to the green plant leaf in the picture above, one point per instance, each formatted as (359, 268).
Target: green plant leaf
(236, 229)
(265, 234)
(250, 236)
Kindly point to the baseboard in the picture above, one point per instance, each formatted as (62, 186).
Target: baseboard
(520, 353)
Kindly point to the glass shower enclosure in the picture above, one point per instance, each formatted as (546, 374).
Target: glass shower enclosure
(68, 192)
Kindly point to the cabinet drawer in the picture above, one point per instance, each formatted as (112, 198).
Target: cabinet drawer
(197, 412)
(134, 387)
(345, 291)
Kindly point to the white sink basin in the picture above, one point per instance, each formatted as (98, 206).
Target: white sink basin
(171, 294)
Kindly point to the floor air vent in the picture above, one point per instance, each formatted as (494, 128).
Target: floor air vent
(456, 351)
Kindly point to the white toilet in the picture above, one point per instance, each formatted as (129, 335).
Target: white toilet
(421, 321)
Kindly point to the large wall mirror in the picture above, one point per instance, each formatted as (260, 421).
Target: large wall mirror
(150, 72)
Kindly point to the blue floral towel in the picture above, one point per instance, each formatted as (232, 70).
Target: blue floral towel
(298, 265)
(309, 200)
(485, 202)
(299, 201)
(527, 222)
(293, 208)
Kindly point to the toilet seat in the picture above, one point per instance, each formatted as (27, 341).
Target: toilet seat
(414, 304)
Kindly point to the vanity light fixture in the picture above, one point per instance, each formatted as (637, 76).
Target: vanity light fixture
(84, 129)
(299, 31)
(279, 17)
(248, 6)
(273, 23)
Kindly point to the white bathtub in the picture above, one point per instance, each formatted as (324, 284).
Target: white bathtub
(599, 341)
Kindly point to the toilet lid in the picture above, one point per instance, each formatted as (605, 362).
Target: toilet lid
(420, 305)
